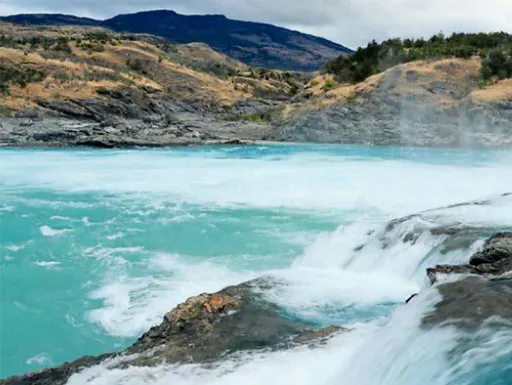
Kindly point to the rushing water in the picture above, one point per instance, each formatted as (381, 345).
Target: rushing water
(95, 246)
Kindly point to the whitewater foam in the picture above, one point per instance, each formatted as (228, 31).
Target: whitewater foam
(15, 248)
(47, 231)
(48, 264)
(131, 305)
(300, 366)
(115, 236)
(325, 181)
(40, 359)
(153, 208)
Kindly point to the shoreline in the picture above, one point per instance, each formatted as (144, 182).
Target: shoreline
(192, 130)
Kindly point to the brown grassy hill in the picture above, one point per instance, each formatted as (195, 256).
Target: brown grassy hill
(435, 103)
(72, 70)
(435, 83)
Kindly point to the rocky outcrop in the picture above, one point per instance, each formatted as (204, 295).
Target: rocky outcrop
(485, 295)
(435, 104)
(201, 330)
(384, 120)
(494, 260)
(152, 131)
(471, 302)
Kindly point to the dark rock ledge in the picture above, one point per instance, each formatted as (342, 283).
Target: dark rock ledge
(484, 297)
(494, 260)
(177, 130)
(203, 329)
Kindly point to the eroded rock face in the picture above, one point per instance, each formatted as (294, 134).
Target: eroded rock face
(494, 260)
(485, 295)
(470, 302)
(203, 329)
(497, 248)
(151, 131)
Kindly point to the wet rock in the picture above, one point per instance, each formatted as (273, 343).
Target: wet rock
(495, 249)
(472, 301)
(151, 119)
(485, 295)
(411, 298)
(494, 260)
(56, 376)
(203, 329)
(232, 320)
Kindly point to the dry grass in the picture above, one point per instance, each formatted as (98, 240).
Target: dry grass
(194, 52)
(82, 64)
(499, 91)
(442, 82)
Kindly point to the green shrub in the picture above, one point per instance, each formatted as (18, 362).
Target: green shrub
(5, 111)
(98, 36)
(377, 57)
(294, 89)
(102, 91)
(138, 65)
(329, 85)
(20, 75)
(255, 118)
(498, 63)
(4, 89)
(63, 46)
(62, 76)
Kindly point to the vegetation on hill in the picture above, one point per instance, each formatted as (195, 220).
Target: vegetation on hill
(494, 48)
(42, 64)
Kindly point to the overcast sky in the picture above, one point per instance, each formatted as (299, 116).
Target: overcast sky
(350, 22)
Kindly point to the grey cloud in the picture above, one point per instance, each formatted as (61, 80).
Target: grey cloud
(350, 22)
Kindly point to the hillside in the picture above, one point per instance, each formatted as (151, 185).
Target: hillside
(444, 91)
(256, 44)
(80, 70)
(439, 102)
(136, 89)
(125, 90)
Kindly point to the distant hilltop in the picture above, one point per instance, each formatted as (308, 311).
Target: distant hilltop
(256, 44)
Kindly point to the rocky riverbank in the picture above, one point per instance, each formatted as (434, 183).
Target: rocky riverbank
(153, 131)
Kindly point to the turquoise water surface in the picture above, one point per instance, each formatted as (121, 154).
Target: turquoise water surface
(95, 246)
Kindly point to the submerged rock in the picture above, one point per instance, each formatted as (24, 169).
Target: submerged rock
(203, 329)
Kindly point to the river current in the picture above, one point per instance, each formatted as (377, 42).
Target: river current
(95, 246)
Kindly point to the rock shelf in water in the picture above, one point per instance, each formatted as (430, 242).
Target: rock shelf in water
(209, 327)
(203, 329)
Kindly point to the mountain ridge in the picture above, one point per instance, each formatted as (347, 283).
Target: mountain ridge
(256, 44)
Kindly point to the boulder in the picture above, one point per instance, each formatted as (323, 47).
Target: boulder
(482, 298)
(495, 249)
(203, 329)
(494, 260)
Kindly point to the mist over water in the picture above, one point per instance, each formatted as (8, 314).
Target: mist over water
(95, 246)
